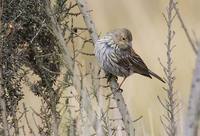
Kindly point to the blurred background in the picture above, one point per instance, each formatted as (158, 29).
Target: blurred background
(144, 19)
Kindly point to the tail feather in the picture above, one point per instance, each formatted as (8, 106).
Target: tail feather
(156, 76)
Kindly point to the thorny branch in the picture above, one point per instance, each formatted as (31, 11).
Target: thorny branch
(193, 113)
(170, 103)
(70, 65)
(126, 118)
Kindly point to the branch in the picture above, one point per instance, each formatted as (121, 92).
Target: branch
(88, 20)
(66, 55)
(170, 104)
(185, 30)
(193, 113)
(27, 121)
(126, 118)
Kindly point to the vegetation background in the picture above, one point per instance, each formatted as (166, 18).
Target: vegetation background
(145, 20)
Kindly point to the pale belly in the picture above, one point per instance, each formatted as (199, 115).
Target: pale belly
(104, 56)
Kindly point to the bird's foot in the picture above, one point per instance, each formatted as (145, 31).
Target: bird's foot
(118, 90)
(110, 76)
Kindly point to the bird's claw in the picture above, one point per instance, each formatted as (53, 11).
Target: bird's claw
(110, 76)
(120, 90)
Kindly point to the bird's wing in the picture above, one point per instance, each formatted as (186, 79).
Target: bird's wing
(131, 60)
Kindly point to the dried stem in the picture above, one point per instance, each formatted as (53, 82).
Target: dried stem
(66, 55)
(27, 121)
(185, 29)
(170, 103)
(15, 122)
(193, 113)
(55, 120)
(126, 118)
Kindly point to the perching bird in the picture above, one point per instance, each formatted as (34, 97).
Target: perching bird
(116, 56)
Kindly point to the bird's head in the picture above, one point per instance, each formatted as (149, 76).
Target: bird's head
(122, 37)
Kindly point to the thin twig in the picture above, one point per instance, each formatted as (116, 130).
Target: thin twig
(43, 23)
(185, 29)
(85, 53)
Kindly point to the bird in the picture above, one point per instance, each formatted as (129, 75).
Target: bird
(116, 56)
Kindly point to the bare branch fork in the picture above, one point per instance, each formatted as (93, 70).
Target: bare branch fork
(126, 118)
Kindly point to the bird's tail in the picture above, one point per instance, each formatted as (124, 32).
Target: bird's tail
(156, 76)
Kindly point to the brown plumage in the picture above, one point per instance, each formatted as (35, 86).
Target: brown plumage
(116, 56)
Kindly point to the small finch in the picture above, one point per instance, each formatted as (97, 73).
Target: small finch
(116, 56)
